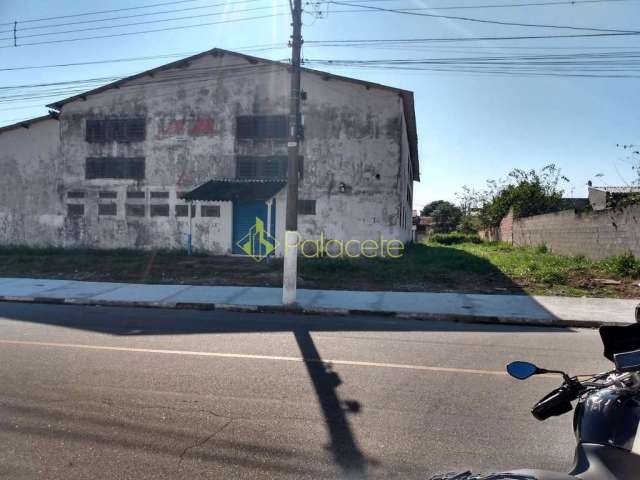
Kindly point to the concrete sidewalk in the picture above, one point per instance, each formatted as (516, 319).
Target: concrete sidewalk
(520, 309)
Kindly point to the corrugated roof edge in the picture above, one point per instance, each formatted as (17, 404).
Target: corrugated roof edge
(27, 123)
(407, 96)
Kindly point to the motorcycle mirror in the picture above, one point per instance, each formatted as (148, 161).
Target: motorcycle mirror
(522, 370)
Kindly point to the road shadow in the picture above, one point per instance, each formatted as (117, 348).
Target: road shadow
(342, 443)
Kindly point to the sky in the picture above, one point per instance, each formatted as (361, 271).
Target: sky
(472, 125)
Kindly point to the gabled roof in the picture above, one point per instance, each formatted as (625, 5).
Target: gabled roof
(26, 123)
(406, 95)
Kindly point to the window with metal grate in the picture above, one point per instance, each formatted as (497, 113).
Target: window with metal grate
(262, 167)
(261, 126)
(107, 209)
(159, 210)
(115, 167)
(75, 210)
(121, 130)
(134, 210)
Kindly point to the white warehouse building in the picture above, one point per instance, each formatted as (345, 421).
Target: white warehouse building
(122, 166)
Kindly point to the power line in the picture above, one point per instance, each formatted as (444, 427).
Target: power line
(532, 4)
(249, 48)
(135, 23)
(603, 62)
(101, 11)
(478, 20)
(495, 71)
(147, 22)
(458, 7)
(605, 65)
(55, 25)
(195, 25)
(404, 41)
(183, 77)
(474, 7)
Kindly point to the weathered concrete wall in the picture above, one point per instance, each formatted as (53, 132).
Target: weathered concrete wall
(31, 208)
(596, 234)
(353, 161)
(597, 198)
(355, 155)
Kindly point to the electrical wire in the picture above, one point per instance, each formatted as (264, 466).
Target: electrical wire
(147, 22)
(479, 20)
(235, 20)
(249, 48)
(506, 5)
(404, 41)
(101, 12)
(137, 15)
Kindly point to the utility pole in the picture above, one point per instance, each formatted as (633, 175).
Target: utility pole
(290, 272)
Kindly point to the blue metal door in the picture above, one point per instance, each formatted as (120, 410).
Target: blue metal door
(249, 225)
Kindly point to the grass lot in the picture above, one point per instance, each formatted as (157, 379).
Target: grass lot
(464, 267)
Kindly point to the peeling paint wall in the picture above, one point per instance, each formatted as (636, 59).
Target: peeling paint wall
(355, 153)
(31, 210)
(352, 160)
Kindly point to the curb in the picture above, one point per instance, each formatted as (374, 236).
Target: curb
(299, 310)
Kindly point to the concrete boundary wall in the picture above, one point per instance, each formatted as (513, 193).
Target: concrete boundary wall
(594, 234)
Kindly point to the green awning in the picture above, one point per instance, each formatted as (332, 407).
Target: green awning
(224, 190)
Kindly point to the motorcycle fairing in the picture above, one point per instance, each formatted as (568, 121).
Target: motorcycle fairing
(616, 339)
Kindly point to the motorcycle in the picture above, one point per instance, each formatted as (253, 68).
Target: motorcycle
(607, 415)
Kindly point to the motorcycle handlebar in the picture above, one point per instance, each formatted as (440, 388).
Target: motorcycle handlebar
(556, 403)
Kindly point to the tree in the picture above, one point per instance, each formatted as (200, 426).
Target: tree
(446, 216)
(428, 209)
(527, 192)
(632, 156)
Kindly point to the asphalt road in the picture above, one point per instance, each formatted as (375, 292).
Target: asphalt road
(96, 392)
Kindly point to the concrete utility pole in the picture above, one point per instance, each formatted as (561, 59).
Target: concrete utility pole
(290, 273)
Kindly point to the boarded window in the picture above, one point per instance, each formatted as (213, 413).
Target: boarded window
(114, 167)
(109, 209)
(307, 207)
(108, 194)
(75, 210)
(181, 211)
(116, 130)
(134, 210)
(135, 194)
(210, 211)
(75, 194)
(261, 126)
(159, 194)
(159, 210)
(274, 167)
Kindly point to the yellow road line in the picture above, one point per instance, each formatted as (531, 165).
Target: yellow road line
(254, 357)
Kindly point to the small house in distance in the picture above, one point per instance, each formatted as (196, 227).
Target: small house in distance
(601, 198)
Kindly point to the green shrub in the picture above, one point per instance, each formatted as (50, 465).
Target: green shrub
(553, 277)
(625, 265)
(454, 238)
(542, 248)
